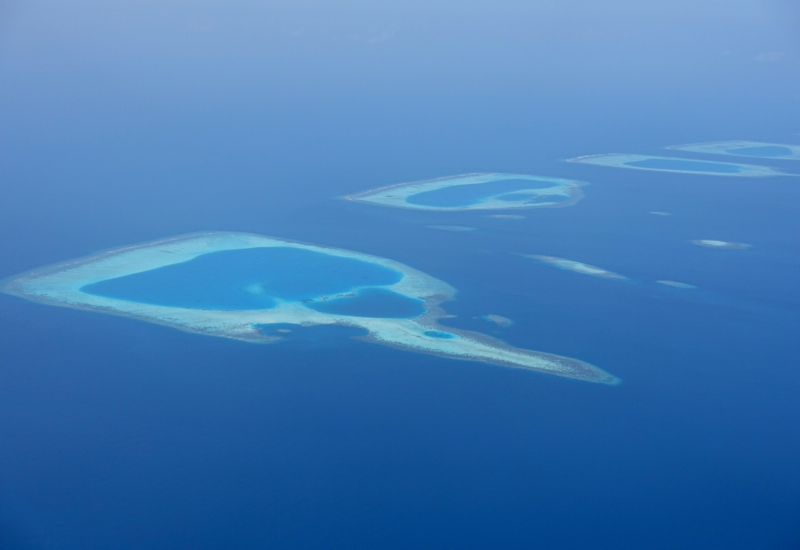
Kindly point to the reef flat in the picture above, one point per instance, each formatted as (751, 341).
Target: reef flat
(571, 265)
(679, 165)
(477, 192)
(754, 149)
(238, 285)
(711, 243)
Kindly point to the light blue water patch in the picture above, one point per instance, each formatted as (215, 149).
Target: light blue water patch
(762, 151)
(372, 302)
(439, 334)
(245, 279)
(465, 195)
(686, 165)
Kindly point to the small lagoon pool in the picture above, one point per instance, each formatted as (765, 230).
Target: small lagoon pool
(442, 335)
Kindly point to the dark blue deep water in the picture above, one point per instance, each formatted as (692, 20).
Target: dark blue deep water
(126, 122)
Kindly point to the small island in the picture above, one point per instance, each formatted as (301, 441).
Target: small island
(710, 243)
(753, 149)
(477, 192)
(571, 265)
(679, 165)
(254, 288)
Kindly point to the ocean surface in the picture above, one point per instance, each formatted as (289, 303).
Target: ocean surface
(127, 122)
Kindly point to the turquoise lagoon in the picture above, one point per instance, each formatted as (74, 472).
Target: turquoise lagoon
(261, 278)
(680, 165)
(754, 149)
(477, 192)
(240, 286)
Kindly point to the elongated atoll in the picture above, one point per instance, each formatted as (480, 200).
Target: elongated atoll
(572, 265)
(753, 149)
(238, 285)
(679, 165)
(711, 243)
(477, 192)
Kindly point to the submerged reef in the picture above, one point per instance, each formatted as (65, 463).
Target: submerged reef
(453, 228)
(498, 320)
(679, 165)
(754, 149)
(253, 288)
(710, 243)
(676, 284)
(477, 192)
(571, 265)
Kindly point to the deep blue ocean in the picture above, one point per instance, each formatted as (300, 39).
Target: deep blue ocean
(125, 122)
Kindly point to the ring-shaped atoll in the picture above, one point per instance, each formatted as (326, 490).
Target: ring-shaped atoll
(754, 149)
(477, 192)
(679, 165)
(239, 285)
